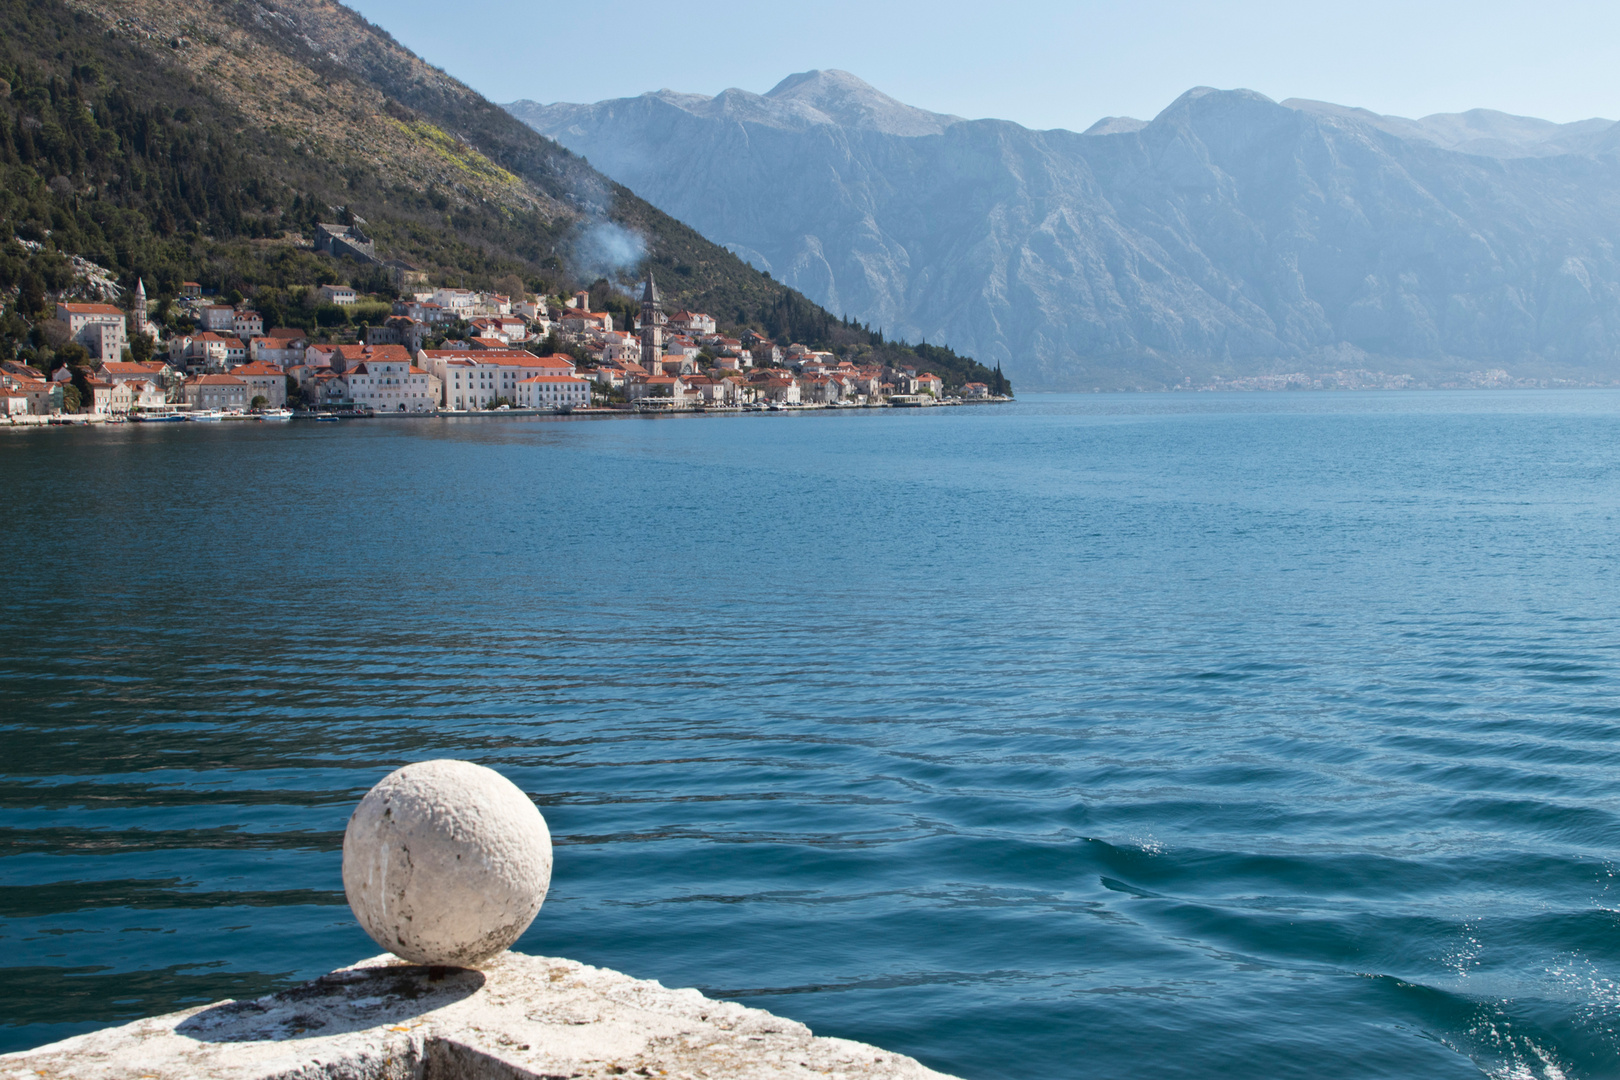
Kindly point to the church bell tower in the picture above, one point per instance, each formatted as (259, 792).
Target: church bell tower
(138, 307)
(652, 328)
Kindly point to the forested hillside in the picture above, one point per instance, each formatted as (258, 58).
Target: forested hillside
(174, 140)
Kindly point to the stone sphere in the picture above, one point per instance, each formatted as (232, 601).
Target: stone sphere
(446, 862)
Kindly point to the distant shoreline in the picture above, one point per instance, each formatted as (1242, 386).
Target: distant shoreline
(81, 421)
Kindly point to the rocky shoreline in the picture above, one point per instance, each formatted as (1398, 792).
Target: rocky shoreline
(519, 1017)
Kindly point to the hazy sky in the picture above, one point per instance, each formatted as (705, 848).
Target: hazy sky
(1041, 63)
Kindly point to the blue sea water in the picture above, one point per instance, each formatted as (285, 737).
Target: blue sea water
(1102, 736)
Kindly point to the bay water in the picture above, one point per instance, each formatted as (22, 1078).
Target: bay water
(1092, 736)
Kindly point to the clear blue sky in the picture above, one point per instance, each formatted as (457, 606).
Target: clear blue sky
(1041, 62)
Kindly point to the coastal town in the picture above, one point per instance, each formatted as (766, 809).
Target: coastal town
(442, 350)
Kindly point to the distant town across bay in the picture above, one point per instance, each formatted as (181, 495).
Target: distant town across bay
(200, 356)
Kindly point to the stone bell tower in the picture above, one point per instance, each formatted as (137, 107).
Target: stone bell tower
(652, 328)
(138, 307)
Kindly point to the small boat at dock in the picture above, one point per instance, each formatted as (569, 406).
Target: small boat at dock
(158, 414)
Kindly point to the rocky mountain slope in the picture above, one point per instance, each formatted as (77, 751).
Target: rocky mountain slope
(181, 139)
(1231, 235)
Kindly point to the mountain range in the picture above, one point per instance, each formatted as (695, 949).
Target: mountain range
(1231, 235)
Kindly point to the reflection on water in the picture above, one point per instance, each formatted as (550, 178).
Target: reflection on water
(1117, 736)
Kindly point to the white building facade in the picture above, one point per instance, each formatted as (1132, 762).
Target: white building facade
(557, 392)
(216, 392)
(474, 378)
(391, 383)
(98, 327)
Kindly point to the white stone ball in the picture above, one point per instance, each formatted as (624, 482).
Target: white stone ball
(446, 862)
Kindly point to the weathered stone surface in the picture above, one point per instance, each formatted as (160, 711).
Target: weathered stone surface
(446, 862)
(520, 1018)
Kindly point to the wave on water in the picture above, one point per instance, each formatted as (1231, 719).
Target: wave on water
(1097, 736)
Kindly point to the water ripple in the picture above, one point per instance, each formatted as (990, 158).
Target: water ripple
(1119, 736)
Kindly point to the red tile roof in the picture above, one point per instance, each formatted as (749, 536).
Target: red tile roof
(483, 356)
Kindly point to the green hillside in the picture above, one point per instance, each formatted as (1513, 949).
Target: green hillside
(176, 140)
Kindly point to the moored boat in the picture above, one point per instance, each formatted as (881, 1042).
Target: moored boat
(157, 414)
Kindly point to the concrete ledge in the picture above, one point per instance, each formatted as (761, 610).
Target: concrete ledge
(519, 1018)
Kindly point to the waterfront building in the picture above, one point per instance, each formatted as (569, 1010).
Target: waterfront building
(388, 381)
(323, 386)
(215, 392)
(660, 389)
(553, 392)
(461, 383)
(108, 398)
(28, 392)
(146, 394)
(722, 391)
(473, 378)
(778, 390)
(263, 380)
(821, 389)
